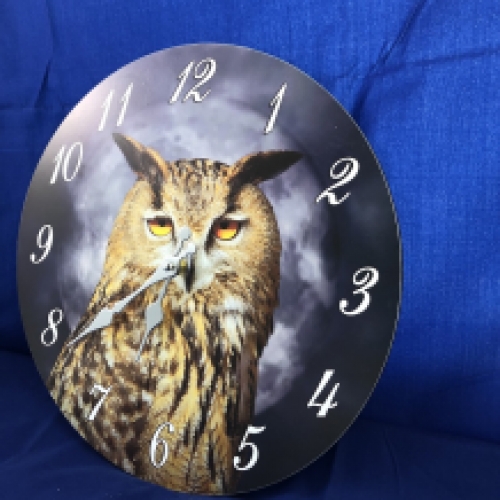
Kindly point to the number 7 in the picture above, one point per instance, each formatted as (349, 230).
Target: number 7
(101, 401)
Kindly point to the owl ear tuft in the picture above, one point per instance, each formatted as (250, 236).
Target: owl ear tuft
(142, 160)
(259, 167)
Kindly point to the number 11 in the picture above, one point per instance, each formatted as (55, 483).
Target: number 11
(107, 104)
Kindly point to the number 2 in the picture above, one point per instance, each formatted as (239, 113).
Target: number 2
(345, 176)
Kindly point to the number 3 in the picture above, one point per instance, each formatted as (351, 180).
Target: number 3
(365, 278)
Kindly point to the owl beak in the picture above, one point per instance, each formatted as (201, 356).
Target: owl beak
(186, 269)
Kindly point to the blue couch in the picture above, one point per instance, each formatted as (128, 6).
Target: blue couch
(422, 79)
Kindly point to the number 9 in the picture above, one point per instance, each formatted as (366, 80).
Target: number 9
(44, 241)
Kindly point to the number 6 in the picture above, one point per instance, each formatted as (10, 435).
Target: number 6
(255, 450)
(156, 441)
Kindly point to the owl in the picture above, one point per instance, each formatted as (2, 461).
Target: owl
(195, 379)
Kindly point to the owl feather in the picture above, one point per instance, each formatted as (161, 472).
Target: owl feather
(190, 394)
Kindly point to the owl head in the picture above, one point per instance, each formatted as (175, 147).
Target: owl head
(232, 223)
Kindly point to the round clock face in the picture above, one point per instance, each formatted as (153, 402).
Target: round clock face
(209, 269)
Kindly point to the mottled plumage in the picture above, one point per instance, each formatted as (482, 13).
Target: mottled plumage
(198, 368)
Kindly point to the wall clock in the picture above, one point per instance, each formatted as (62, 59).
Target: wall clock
(209, 269)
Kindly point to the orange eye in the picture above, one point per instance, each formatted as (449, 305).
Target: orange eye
(226, 229)
(160, 226)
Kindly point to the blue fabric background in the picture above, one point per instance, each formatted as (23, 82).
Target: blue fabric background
(422, 80)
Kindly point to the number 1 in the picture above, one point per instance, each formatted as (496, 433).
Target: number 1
(275, 104)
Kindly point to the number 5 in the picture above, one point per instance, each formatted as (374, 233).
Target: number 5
(255, 450)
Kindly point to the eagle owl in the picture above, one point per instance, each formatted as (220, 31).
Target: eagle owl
(197, 371)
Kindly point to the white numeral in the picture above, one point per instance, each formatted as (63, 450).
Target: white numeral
(62, 160)
(275, 104)
(327, 405)
(345, 176)
(365, 278)
(125, 99)
(156, 441)
(203, 71)
(105, 392)
(44, 240)
(53, 324)
(253, 447)
(107, 105)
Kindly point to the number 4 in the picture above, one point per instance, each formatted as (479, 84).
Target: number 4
(327, 405)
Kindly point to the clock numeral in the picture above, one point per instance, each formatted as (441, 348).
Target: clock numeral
(244, 443)
(346, 175)
(157, 441)
(44, 240)
(275, 104)
(62, 162)
(364, 278)
(52, 328)
(107, 105)
(203, 71)
(327, 405)
(105, 392)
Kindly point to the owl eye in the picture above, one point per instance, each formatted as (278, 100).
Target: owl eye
(160, 226)
(226, 229)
